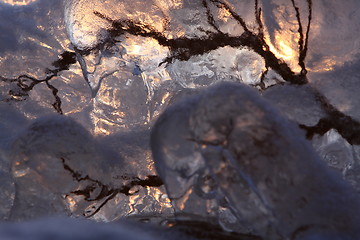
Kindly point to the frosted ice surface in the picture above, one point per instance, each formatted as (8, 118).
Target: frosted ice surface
(53, 157)
(353, 174)
(223, 64)
(134, 74)
(335, 150)
(344, 81)
(335, 23)
(75, 229)
(229, 147)
(298, 103)
(7, 193)
(340, 155)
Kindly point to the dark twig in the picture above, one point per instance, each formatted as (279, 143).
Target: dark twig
(304, 52)
(57, 103)
(107, 192)
(26, 83)
(236, 16)
(210, 17)
(303, 41)
(184, 48)
(258, 19)
(346, 126)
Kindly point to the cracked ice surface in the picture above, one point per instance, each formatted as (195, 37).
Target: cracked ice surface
(113, 67)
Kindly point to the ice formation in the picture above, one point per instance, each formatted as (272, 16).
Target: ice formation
(139, 57)
(51, 160)
(59, 168)
(227, 147)
(141, 38)
(75, 229)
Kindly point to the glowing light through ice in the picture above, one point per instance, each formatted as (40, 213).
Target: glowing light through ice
(18, 2)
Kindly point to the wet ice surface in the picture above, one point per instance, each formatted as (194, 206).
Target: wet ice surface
(113, 68)
(244, 156)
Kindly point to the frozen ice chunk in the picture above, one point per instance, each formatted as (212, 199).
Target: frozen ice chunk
(335, 150)
(223, 64)
(59, 168)
(53, 159)
(227, 147)
(75, 229)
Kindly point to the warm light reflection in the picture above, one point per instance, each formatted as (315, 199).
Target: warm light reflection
(71, 203)
(287, 53)
(284, 47)
(224, 14)
(327, 64)
(18, 2)
(182, 201)
(159, 196)
(40, 43)
(283, 42)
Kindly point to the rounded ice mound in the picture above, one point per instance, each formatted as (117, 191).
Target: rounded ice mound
(76, 229)
(52, 159)
(88, 21)
(227, 149)
(7, 195)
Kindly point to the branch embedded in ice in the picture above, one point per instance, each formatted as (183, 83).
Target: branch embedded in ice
(303, 40)
(347, 127)
(107, 192)
(26, 83)
(184, 48)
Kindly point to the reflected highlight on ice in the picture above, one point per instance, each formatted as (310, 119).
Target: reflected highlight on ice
(18, 2)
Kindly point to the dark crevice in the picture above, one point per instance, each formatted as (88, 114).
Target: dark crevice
(107, 192)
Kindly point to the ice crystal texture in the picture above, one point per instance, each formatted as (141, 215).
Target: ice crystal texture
(113, 67)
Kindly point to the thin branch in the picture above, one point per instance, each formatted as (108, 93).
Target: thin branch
(210, 17)
(183, 48)
(258, 12)
(26, 83)
(236, 16)
(107, 192)
(57, 103)
(304, 52)
(303, 41)
(346, 126)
